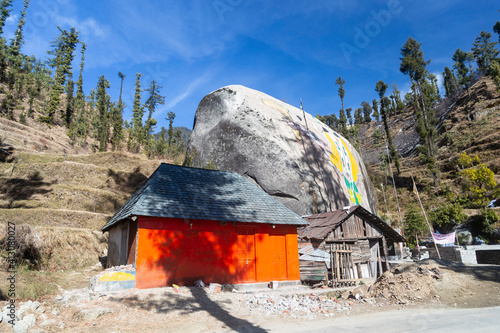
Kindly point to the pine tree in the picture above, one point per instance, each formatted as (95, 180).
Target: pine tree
(496, 29)
(358, 116)
(161, 143)
(5, 9)
(464, 73)
(342, 122)
(435, 96)
(398, 103)
(450, 82)
(117, 115)
(151, 104)
(414, 65)
(62, 52)
(339, 82)
(70, 105)
(135, 139)
(348, 113)
(381, 88)
(103, 104)
(170, 118)
(484, 51)
(80, 127)
(18, 40)
(367, 111)
(375, 109)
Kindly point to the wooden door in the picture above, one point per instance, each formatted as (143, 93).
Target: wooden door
(246, 255)
(279, 258)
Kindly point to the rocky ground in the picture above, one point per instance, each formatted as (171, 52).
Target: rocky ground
(426, 284)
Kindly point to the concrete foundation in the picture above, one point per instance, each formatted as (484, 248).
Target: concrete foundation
(259, 286)
(113, 279)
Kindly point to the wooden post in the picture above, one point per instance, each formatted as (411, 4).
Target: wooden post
(384, 245)
(337, 264)
(332, 266)
(379, 259)
(352, 264)
(360, 271)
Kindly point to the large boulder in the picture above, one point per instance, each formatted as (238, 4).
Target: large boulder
(288, 153)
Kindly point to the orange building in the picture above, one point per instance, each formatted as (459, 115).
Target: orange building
(186, 224)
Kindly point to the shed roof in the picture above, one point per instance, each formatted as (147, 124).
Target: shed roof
(320, 225)
(191, 193)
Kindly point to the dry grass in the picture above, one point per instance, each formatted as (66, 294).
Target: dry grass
(54, 218)
(56, 248)
(54, 251)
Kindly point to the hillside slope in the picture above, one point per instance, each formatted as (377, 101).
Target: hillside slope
(60, 189)
(470, 124)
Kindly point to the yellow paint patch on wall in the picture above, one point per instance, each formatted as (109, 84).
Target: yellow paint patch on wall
(117, 276)
(274, 105)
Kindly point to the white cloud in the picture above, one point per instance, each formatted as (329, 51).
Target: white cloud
(440, 80)
(12, 19)
(186, 93)
(88, 27)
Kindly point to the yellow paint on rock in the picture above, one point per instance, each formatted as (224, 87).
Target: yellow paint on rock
(117, 276)
(335, 157)
(276, 106)
(354, 164)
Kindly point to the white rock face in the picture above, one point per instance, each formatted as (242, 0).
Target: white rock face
(288, 153)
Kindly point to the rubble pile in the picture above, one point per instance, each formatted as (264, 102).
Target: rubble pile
(299, 305)
(404, 286)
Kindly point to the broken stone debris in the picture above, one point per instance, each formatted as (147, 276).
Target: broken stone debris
(93, 314)
(274, 285)
(215, 288)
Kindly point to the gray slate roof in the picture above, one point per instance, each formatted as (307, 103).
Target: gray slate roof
(181, 192)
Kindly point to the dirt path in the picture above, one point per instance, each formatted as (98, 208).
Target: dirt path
(423, 288)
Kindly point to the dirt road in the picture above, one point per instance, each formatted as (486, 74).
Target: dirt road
(407, 320)
(427, 296)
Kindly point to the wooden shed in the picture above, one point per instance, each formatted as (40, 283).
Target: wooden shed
(358, 242)
(186, 224)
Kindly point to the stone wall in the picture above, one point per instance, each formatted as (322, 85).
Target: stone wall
(488, 254)
(470, 254)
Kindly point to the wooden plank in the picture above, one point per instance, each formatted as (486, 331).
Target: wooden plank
(379, 259)
(352, 266)
(384, 245)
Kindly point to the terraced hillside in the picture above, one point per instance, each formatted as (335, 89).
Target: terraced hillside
(64, 193)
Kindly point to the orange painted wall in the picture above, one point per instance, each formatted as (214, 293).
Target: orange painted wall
(171, 251)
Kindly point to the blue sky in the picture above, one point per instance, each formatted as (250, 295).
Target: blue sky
(289, 50)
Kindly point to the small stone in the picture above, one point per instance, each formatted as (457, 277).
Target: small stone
(42, 317)
(95, 313)
(35, 305)
(55, 312)
(49, 322)
(30, 320)
(20, 327)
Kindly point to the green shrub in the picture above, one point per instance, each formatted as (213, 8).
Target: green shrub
(484, 225)
(414, 225)
(446, 217)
